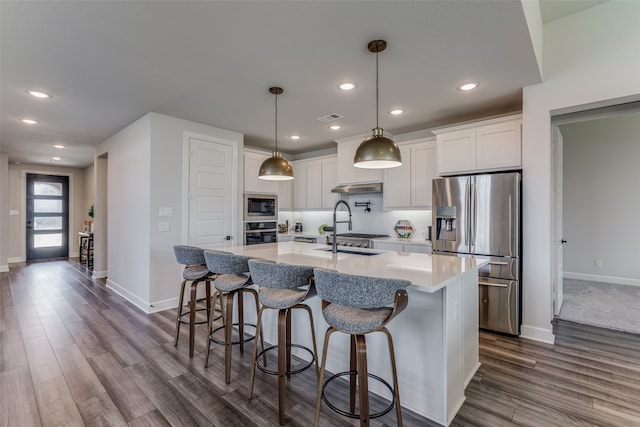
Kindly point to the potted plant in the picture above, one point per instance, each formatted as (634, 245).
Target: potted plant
(90, 213)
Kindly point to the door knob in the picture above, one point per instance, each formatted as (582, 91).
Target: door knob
(563, 241)
(227, 237)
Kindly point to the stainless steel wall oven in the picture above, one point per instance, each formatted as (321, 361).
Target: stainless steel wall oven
(258, 232)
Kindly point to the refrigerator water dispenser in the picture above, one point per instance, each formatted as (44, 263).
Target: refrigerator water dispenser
(446, 223)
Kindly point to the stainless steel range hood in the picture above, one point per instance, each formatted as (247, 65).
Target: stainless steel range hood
(371, 187)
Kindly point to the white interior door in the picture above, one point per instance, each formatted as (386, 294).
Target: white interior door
(557, 239)
(211, 200)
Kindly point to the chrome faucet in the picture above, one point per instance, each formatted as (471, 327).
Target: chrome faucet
(335, 208)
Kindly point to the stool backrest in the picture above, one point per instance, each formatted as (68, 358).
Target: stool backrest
(189, 255)
(281, 276)
(356, 291)
(226, 263)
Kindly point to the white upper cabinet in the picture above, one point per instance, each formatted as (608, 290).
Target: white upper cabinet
(482, 146)
(252, 184)
(285, 194)
(312, 183)
(347, 173)
(409, 185)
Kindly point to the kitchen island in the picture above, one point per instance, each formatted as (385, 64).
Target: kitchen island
(435, 338)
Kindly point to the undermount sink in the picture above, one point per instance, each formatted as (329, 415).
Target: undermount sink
(351, 251)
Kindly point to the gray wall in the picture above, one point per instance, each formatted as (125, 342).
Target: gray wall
(602, 198)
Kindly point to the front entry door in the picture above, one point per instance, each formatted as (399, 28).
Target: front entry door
(47, 216)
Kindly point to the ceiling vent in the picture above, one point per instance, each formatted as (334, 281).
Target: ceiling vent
(329, 117)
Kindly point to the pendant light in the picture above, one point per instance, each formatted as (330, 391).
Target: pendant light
(276, 168)
(377, 151)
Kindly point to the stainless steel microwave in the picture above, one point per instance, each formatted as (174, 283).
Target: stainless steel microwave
(260, 207)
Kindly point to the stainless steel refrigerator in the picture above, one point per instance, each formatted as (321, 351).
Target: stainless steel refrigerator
(481, 215)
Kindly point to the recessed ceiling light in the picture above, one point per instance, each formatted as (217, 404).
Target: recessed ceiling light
(58, 145)
(38, 94)
(347, 86)
(334, 127)
(55, 159)
(295, 137)
(29, 121)
(468, 86)
(396, 111)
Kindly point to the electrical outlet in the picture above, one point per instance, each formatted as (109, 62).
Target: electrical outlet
(599, 263)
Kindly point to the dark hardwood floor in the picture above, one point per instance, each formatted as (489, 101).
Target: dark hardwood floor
(74, 353)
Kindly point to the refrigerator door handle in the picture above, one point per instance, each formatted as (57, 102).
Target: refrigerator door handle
(495, 285)
(498, 263)
(474, 214)
(467, 196)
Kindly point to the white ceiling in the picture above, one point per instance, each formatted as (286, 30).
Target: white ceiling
(107, 63)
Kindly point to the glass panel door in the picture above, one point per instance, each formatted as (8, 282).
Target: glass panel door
(47, 216)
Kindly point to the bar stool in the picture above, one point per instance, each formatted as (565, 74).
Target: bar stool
(359, 305)
(195, 271)
(282, 287)
(233, 279)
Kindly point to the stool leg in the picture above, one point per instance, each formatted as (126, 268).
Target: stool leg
(282, 360)
(353, 368)
(325, 347)
(363, 379)
(216, 294)
(180, 302)
(254, 359)
(208, 296)
(228, 325)
(313, 336)
(264, 355)
(241, 321)
(396, 390)
(192, 316)
(288, 343)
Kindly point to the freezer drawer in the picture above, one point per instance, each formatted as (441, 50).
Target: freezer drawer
(501, 268)
(499, 308)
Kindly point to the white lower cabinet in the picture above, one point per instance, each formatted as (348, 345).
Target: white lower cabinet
(402, 246)
(409, 185)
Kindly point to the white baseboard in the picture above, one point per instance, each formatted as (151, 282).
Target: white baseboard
(537, 334)
(129, 296)
(163, 305)
(99, 274)
(74, 255)
(605, 279)
(4, 268)
(14, 260)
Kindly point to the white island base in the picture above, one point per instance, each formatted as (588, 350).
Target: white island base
(435, 338)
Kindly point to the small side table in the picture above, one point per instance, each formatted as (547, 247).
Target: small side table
(85, 246)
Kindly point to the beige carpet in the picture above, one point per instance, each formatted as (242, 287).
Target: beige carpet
(602, 304)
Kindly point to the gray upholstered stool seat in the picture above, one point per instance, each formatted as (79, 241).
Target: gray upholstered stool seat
(282, 287)
(233, 280)
(359, 305)
(196, 272)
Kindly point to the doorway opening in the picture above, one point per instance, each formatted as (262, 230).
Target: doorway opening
(47, 216)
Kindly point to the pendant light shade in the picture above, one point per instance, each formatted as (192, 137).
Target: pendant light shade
(276, 168)
(377, 151)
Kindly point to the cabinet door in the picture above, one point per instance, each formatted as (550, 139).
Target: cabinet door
(422, 249)
(397, 182)
(499, 146)
(388, 246)
(423, 170)
(252, 183)
(456, 151)
(252, 164)
(347, 173)
(285, 194)
(329, 181)
(314, 184)
(300, 185)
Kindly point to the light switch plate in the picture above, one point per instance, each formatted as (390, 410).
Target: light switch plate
(165, 212)
(164, 226)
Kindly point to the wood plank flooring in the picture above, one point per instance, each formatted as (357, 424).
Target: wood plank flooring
(74, 353)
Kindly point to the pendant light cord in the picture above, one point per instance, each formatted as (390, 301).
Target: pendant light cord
(276, 138)
(377, 109)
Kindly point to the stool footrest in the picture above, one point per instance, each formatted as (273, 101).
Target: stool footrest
(186, 322)
(219, 328)
(293, 372)
(357, 415)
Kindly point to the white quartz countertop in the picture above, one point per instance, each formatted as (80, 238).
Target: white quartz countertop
(427, 273)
